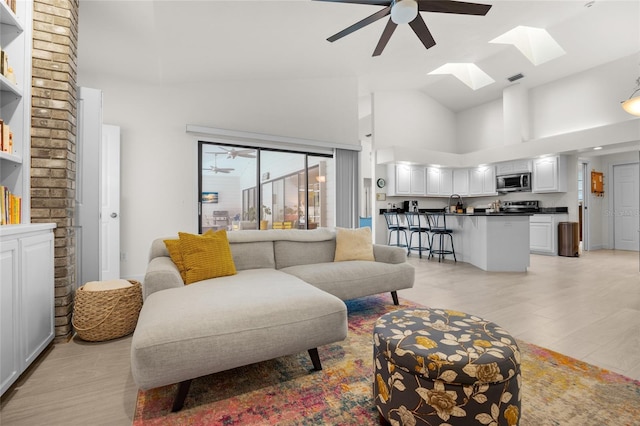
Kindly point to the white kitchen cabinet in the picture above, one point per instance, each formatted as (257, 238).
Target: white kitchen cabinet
(405, 180)
(549, 174)
(511, 167)
(461, 181)
(26, 297)
(482, 181)
(439, 182)
(543, 237)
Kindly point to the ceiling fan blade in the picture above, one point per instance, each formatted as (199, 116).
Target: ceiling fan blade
(449, 6)
(384, 38)
(371, 2)
(420, 28)
(366, 21)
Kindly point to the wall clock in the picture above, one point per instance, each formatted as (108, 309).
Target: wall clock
(381, 183)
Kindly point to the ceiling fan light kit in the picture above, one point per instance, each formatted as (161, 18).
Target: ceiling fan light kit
(632, 105)
(404, 11)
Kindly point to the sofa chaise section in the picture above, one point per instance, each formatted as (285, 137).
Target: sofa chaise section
(223, 323)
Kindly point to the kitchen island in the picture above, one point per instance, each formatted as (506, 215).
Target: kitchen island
(491, 241)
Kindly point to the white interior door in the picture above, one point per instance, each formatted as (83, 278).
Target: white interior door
(110, 204)
(88, 185)
(626, 203)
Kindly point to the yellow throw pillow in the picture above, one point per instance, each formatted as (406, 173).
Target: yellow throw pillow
(173, 247)
(353, 244)
(206, 256)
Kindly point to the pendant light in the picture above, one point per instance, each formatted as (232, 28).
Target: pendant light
(632, 105)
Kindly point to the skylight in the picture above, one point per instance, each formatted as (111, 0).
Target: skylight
(534, 43)
(469, 74)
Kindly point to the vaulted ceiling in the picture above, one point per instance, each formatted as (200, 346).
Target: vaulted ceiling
(165, 42)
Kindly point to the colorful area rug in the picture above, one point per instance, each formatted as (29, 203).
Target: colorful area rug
(557, 390)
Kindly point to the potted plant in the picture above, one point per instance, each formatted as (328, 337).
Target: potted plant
(266, 211)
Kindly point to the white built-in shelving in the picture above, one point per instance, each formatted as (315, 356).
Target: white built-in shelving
(15, 100)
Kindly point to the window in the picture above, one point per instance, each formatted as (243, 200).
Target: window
(259, 188)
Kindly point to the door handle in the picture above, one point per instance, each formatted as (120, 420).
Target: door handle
(114, 215)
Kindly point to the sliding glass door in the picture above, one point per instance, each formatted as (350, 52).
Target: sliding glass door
(260, 188)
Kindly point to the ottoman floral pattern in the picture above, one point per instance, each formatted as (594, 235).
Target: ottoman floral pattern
(444, 367)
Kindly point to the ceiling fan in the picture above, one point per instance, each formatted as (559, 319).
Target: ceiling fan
(246, 153)
(215, 168)
(407, 12)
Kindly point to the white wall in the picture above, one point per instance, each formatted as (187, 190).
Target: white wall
(584, 100)
(159, 160)
(578, 102)
(480, 127)
(410, 118)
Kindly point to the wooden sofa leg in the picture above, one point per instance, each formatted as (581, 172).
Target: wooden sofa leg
(181, 396)
(315, 359)
(394, 296)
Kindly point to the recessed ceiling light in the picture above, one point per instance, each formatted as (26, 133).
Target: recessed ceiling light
(469, 74)
(534, 43)
(597, 148)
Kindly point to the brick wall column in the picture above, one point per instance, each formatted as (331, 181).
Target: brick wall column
(53, 141)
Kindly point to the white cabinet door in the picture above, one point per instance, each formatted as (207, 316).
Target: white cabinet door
(541, 237)
(545, 174)
(446, 182)
(406, 180)
(433, 181)
(489, 181)
(461, 181)
(26, 298)
(439, 182)
(36, 267)
(9, 336)
(549, 174)
(476, 180)
(403, 180)
(482, 181)
(544, 233)
(418, 180)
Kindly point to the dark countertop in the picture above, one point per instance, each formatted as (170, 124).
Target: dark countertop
(482, 212)
(475, 213)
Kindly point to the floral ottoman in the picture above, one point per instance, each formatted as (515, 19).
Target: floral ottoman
(437, 366)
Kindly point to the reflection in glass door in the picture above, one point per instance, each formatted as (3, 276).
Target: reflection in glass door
(227, 183)
(259, 188)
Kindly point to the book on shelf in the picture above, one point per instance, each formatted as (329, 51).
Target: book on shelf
(6, 138)
(10, 207)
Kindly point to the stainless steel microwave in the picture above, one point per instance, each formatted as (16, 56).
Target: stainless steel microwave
(519, 182)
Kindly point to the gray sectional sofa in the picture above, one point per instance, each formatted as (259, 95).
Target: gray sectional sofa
(287, 297)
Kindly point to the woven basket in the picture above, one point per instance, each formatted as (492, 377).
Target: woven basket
(108, 314)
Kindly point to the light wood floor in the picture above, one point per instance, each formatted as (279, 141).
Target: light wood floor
(586, 307)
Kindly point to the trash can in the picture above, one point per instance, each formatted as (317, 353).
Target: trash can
(568, 239)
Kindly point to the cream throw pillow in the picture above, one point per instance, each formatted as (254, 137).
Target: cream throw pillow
(353, 244)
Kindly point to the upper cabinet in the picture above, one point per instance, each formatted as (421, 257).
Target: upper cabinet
(439, 182)
(511, 167)
(406, 180)
(461, 181)
(15, 104)
(549, 174)
(482, 181)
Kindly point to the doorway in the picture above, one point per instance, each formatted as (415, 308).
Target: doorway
(626, 207)
(583, 204)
